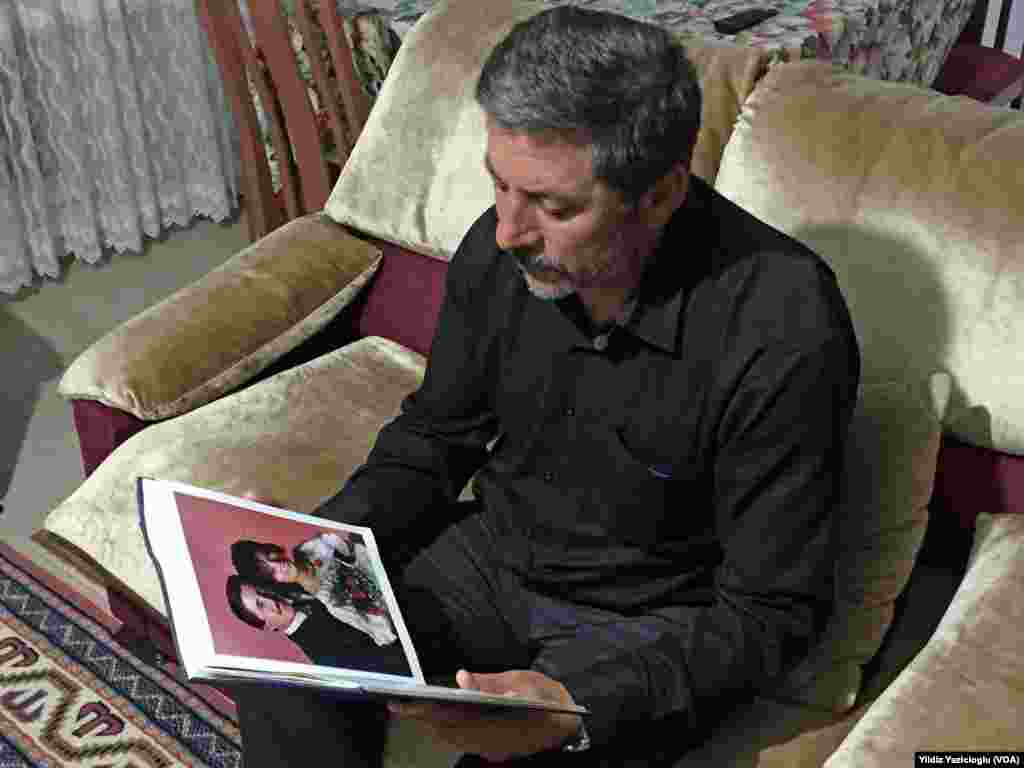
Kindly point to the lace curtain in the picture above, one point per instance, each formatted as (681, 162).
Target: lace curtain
(113, 125)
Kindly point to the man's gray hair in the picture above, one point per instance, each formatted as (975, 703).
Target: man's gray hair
(625, 85)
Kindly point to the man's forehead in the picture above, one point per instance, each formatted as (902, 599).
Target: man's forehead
(539, 164)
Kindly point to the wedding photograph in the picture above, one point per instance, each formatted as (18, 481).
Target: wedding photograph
(287, 590)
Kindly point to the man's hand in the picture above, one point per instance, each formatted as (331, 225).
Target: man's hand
(498, 735)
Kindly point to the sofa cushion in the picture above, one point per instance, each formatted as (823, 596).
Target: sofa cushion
(426, 135)
(889, 469)
(962, 691)
(772, 734)
(917, 201)
(323, 415)
(216, 334)
(767, 733)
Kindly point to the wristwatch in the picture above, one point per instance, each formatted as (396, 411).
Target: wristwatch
(580, 742)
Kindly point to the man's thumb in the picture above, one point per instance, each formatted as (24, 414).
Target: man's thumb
(466, 679)
(499, 684)
(478, 682)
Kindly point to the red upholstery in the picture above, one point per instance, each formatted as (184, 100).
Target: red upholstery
(404, 300)
(100, 430)
(141, 624)
(985, 74)
(971, 480)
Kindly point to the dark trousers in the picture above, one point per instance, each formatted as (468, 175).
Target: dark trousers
(461, 612)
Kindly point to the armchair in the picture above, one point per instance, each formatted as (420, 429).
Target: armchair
(275, 372)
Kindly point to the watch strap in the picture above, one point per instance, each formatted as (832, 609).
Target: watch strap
(580, 742)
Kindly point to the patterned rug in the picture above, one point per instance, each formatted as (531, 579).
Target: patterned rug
(71, 695)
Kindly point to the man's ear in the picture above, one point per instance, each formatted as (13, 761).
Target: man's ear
(665, 196)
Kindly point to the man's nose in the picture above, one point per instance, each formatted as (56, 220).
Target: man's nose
(515, 223)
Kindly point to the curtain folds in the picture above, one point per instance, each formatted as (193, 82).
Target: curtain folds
(113, 125)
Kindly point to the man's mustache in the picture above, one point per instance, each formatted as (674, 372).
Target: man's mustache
(530, 260)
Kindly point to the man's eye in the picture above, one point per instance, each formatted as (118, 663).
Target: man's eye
(559, 213)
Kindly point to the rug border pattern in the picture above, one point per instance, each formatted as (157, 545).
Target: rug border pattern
(179, 716)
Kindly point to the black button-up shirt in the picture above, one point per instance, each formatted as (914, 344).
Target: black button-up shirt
(685, 462)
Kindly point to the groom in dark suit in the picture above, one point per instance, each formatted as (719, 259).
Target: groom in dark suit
(322, 637)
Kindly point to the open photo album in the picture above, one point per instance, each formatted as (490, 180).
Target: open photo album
(261, 595)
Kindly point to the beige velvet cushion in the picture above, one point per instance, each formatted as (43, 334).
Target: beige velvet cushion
(963, 691)
(216, 334)
(416, 175)
(772, 734)
(917, 201)
(323, 416)
(888, 474)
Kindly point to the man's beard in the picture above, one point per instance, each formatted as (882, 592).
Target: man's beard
(532, 265)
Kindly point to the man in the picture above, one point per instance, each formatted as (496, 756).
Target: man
(653, 388)
(323, 638)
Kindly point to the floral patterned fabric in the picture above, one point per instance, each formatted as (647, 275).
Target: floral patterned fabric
(347, 587)
(904, 40)
(899, 40)
(373, 45)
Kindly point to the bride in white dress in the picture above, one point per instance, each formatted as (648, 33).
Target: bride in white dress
(332, 568)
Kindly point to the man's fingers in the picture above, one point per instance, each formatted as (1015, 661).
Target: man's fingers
(500, 684)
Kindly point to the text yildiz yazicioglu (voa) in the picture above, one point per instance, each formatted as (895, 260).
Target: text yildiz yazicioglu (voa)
(968, 758)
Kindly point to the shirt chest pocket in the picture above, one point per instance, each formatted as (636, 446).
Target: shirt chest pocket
(638, 488)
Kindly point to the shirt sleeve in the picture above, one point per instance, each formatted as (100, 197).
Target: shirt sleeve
(422, 459)
(779, 455)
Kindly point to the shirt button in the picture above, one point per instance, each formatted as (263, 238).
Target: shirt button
(549, 476)
(570, 411)
(601, 342)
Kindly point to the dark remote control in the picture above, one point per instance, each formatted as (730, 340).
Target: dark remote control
(730, 25)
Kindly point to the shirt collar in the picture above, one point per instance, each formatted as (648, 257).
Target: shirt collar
(653, 314)
(668, 277)
(296, 622)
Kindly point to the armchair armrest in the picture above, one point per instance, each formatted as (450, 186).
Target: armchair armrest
(218, 333)
(962, 690)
